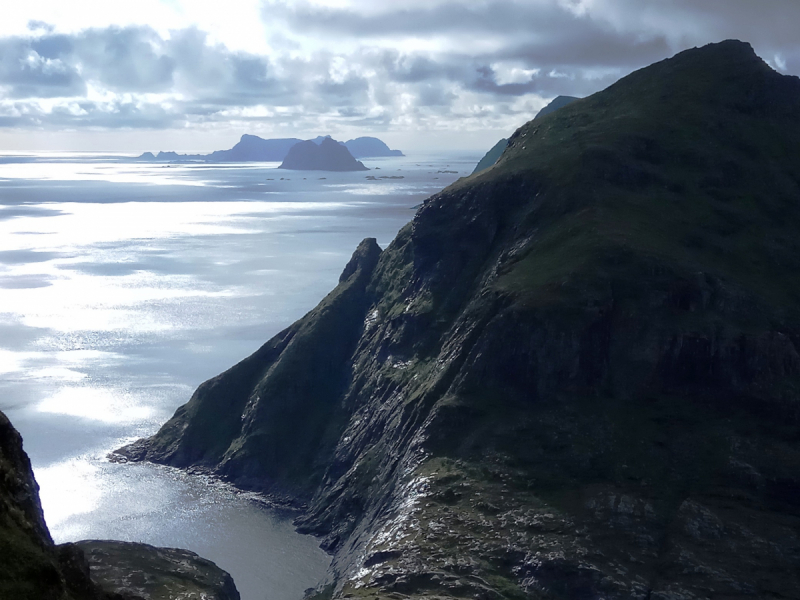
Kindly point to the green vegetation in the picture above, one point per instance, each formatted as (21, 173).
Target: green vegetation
(574, 374)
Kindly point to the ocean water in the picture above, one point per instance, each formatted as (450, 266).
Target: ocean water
(125, 285)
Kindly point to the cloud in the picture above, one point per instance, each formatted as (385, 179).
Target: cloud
(419, 65)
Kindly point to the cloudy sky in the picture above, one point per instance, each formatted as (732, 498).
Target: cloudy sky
(193, 75)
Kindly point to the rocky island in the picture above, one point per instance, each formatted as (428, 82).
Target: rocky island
(328, 155)
(370, 147)
(252, 148)
(573, 375)
(32, 567)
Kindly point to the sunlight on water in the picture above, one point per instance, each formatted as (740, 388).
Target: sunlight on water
(113, 311)
(98, 404)
(112, 173)
(68, 488)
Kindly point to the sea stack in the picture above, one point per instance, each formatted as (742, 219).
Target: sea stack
(328, 155)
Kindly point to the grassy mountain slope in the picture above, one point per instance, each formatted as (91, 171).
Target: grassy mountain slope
(573, 375)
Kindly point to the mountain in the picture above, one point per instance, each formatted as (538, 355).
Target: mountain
(491, 156)
(254, 148)
(328, 155)
(573, 375)
(364, 147)
(33, 568)
(370, 147)
(557, 102)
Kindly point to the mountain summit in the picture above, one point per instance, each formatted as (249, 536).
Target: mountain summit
(573, 375)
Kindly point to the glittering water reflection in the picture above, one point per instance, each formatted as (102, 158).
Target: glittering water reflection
(123, 287)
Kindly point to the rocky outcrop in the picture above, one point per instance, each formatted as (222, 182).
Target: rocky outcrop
(28, 567)
(142, 571)
(33, 568)
(328, 155)
(573, 375)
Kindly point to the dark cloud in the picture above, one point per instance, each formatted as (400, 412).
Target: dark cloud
(24, 73)
(485, 64)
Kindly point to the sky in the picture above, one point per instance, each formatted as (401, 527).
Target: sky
(194, 75)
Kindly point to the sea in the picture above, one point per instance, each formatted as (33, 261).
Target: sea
(124, 285)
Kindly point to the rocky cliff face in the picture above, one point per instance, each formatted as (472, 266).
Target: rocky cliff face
(33, 568)
(574, 375)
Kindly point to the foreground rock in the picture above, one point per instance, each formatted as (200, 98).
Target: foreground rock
(33, 568)
(30, 566)
(573, 375)
(150, 573)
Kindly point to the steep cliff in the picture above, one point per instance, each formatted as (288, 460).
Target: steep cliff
(573, 375)
(29, 563)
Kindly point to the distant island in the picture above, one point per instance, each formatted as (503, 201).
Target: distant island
(370, 147)
(252, 148)
(327, 155)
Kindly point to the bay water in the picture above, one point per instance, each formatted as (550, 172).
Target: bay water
(124, 285)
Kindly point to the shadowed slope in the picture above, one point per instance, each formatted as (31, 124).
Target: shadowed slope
(575, 374)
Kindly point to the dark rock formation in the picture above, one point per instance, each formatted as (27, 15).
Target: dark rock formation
(33, 568)
(143, 571)
(29, 563)
(573, 375)
(328, 155)
(491, 157)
